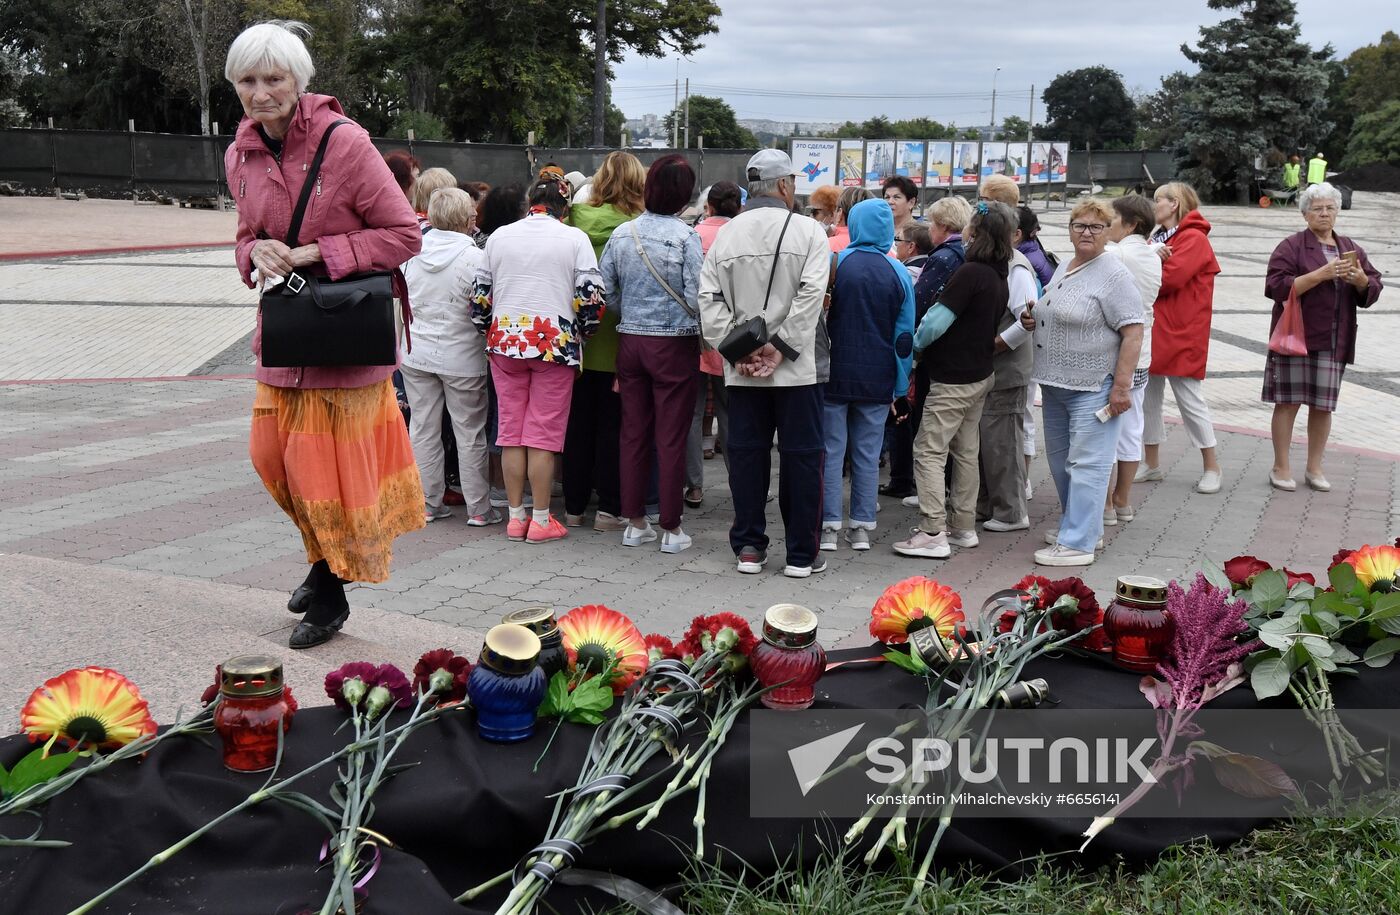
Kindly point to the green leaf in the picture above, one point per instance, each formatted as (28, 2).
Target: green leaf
(1250, 776)
(36, 768)
(556, 697)
(1391, 625)
(1270, 589)
(1343, 578)
(907, 662)
(1269, 678)
(1335, 603)
(589, 700)
(1215, 574)
(1379, 654)
(1302, 591)
(1387, 606)
(1326, 621)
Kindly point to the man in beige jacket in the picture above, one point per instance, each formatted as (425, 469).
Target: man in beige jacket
(770, 262)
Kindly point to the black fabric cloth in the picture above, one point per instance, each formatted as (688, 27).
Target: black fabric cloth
(902, 438)
(591, 445)
(795, 415)
(976, 295)
(469, 810)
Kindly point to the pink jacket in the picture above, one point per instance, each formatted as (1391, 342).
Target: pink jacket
(358, 215)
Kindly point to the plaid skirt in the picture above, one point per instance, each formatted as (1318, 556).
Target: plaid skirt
(1314, 379)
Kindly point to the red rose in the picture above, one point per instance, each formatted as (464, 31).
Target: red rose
(1295, 577)
(1343, 555)
(1243, 568)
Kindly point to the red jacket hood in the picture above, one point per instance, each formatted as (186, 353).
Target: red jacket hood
(1192, 220)
(314, 112)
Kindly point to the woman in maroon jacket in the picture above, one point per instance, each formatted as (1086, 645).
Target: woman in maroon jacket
(1181, 331)
(328, 442)
(1331, 284)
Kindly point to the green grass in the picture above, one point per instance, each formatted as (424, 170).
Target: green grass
(1327, 866)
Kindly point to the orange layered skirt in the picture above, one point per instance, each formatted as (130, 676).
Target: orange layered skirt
(339, 463)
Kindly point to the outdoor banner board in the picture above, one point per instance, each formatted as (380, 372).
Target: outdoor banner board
(879, 162)
(851, 171)
(1017, 156)
(1059, 162)
(910, 161)
(1040, 162)
(993, 159)
(815, 163)
(965, 163)
(940, 163)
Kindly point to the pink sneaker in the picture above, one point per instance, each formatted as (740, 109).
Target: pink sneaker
(516, 530)
(543, 533)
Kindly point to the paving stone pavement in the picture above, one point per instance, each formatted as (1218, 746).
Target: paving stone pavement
(140, 483)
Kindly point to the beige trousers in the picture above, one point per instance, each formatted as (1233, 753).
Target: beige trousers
(949, 433)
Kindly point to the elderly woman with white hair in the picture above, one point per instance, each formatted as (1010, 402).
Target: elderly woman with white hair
(327, 441)
(1332, 277)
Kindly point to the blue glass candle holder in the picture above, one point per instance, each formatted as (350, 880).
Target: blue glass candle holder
(507, 686)
(540, 621)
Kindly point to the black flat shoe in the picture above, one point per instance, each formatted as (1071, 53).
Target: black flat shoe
(301, 599)
(309, 635)
(895, 492)
(698, 500)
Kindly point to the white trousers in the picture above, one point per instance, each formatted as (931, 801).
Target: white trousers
(1028, 422)
(1191, 403)
(466, 404)
(1130, 429)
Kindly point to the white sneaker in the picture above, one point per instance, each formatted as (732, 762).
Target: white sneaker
(1125, 514)
(1029, 492)
(858, 538)
(1052, 537)
(1001, 527)
(675, 541)
(910, 501)
(964, 539)
(830, 538)
(1209, 483)
(1110, 518)
(818, 565)
(1062, 556)
(634, 536)
(925, 545)
(1147, 474)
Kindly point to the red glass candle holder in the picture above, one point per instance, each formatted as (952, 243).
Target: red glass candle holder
(788, 654)
(1137, 623)
(251, 709)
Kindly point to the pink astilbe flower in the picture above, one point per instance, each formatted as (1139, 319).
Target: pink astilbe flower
(1205, 646)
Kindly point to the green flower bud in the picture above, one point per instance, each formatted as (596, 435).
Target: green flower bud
(354, 691)
(378, 700)
(440, 681)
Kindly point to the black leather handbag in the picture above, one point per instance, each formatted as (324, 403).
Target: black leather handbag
(743, 339)
(313, 321)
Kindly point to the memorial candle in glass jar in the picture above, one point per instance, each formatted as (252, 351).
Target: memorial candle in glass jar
(251, 709)
(1137, 623)
(507, 685)
(540, 621)
(788, 654)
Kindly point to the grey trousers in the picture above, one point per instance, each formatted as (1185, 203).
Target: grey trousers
(1003, 470)
(466, 404)
(695, 443)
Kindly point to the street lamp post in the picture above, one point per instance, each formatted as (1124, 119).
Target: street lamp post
(994, 102)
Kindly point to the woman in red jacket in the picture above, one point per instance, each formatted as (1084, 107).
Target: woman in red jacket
(328, 442)
(1333, 277)
(1181, 331)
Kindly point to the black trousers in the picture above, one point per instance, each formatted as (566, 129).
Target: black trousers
(902, 444)
(591, 445)
(795, 414)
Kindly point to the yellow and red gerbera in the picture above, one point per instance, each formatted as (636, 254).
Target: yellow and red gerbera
(596, 637)
(913, 604)
(1376, 566)
(87, 707)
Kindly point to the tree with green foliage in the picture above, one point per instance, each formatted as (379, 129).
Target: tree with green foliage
(920, 129)
(1013, 128)
(971, 133)
(12, 113)
(1159, 113)
(1373, 75)
(1259, 89)
(713, 119)
(1090, 107)
(1375, 137)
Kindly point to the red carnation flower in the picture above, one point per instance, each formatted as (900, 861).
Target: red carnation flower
(727, 631)
(442, 659)
(1242, 569)
(659, 647)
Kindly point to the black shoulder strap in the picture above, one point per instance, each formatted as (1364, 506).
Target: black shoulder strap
(311, 175)
(776, 251)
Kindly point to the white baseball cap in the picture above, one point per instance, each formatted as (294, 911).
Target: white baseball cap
(768, 164)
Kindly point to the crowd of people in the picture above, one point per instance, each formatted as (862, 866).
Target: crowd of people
(574, 336)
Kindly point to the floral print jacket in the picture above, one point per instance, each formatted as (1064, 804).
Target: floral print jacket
(539, 295)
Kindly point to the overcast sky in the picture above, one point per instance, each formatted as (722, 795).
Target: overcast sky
(826, 47)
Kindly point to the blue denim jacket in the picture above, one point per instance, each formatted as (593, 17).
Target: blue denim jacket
(644, 307)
